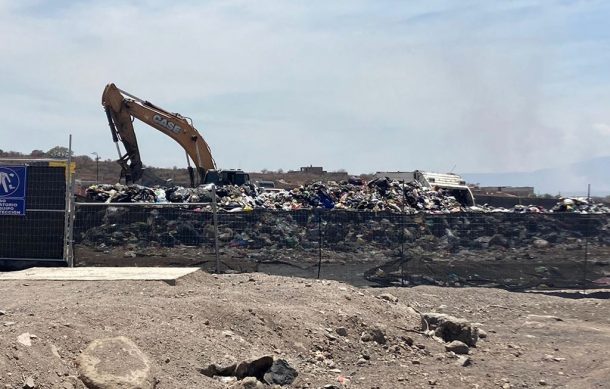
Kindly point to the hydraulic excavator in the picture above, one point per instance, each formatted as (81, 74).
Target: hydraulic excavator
(122, 107)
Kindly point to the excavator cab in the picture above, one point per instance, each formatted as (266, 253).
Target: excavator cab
(226, 177)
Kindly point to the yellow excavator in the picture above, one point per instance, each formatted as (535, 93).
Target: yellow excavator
(122, 107)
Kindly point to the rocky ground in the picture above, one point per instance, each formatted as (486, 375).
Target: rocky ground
(333, 334)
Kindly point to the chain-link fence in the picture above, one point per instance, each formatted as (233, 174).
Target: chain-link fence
(509, 250)
(128, 234)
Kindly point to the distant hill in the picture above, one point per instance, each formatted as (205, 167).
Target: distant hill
(568, 180)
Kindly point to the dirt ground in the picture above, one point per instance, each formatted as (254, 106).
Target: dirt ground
(533, 340)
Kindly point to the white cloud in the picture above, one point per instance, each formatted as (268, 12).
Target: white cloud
(602, 128)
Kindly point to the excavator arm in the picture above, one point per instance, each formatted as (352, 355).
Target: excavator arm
(121, 107)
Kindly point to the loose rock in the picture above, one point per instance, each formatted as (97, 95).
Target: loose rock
(464, 361)
(29, 383)
(254, 368)
(280, 373)
(366, 337)
(541, 243)
(115, 363)
(263, 369)
(374, 334)
(457, 347)
(26, 339)
(248, 383)
(450, 328)
(213, 370)
(388, 297)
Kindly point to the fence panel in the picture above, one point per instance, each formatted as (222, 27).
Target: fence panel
(508, 250)
(39, 234)
(136, 234)
(277, 242)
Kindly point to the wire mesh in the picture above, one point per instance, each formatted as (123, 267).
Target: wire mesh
(279, 242)
(127, 234)
(508, 250)
(512, 251)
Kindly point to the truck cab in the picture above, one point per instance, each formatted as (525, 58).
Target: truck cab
(451, 183)
(227, 177)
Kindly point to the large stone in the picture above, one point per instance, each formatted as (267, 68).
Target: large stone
(388, 297)
(457, 347)
(378, 335)
(25, 339)
(373, 334)
(29, 383)
(451, 328)
(115, 363)
(248, 383)
(481, 242)
(254, 368)
(499, 240)
(464, 361)
(213, 370)
(280, 373)
(366, 337)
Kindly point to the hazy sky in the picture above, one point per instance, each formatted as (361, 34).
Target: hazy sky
(361, 85)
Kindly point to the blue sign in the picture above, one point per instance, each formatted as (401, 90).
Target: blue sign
(12, 190)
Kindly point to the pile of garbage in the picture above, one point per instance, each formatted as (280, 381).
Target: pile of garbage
(378, 195)
(579, 205)
(118, 193)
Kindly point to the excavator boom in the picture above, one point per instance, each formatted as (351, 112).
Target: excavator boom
(121, 107)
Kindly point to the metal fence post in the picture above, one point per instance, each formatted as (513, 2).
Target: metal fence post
(68, 257)
(586, 253)
(402, 235)
(72, 216)
(215, 220)
(319, 242)
(402, 248)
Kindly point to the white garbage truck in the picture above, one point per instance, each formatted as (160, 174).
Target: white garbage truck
(451, 183)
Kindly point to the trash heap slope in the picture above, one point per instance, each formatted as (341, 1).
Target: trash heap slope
(378, 195)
